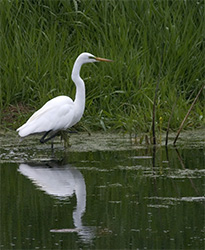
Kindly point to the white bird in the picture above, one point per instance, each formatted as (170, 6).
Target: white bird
(61, 112)
(62, 182)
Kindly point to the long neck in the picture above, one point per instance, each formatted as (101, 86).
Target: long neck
(80, 88)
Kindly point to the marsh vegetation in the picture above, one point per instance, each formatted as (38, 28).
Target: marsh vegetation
(149, 41)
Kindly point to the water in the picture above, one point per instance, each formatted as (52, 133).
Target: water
(111, 195)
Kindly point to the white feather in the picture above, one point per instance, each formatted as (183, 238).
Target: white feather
(61, 112)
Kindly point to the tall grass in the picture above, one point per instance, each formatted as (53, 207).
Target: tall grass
(41, 39)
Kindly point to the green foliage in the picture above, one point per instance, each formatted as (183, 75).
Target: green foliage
(149, 41)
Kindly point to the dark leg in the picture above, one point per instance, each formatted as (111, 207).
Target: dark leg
(43, 137)
(65, 137)
(52, 149)
(43, 140)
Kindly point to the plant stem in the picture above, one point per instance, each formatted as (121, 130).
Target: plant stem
(168, 125)
(186, 116)
(155, 100)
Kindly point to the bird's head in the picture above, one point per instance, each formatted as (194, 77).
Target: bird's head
(89, 58)
(84, 58)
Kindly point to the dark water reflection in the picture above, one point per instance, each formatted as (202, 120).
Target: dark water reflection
(62, 182)
(146, 199)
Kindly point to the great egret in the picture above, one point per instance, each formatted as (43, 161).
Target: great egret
(61, 112)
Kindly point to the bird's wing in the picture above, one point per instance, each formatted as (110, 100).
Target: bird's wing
(56, 114)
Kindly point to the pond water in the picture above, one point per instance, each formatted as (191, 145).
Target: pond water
(102, 193)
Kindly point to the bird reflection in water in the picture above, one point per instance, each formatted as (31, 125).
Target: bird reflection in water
(62, 181)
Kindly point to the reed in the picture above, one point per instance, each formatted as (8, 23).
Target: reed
(41, 39)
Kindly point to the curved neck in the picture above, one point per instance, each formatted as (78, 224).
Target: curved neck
(80, 88)
(76, 70)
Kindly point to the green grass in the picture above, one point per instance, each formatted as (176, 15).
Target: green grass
(149, 41)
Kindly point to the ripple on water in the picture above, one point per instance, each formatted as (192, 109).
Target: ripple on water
(167, 201)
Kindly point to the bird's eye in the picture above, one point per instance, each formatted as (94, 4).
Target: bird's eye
(91, 57)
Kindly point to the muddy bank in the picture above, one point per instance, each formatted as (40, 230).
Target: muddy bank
(14, 148)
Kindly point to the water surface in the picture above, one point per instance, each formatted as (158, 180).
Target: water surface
(114, 195)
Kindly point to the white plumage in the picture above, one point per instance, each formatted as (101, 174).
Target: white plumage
(56, 114)
(61, 112)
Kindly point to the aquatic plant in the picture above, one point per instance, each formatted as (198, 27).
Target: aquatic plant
(40, 41)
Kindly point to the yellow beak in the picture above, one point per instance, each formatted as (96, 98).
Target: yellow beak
(103, 59)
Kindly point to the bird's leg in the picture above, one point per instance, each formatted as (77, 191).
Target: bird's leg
(43, 140)
(65, 137)
(52, 149)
